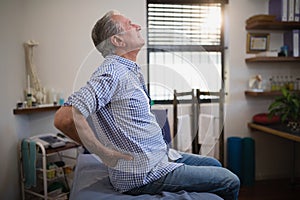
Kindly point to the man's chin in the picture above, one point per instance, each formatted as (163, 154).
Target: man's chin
(140, 46)
(142, 43)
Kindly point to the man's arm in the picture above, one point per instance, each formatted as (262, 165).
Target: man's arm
(72, 123)
(63, 120)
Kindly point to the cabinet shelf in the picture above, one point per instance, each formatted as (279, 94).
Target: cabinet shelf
(272, 59)
(272, 25)
(68, 145)
(260, 94)
(21, 111)
(266, 93)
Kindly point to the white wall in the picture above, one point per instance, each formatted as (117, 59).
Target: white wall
(11, 71)
(65, 58)
(62, 29)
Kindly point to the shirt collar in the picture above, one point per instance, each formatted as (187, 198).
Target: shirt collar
(128, 63)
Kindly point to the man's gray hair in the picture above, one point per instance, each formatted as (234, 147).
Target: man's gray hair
(102, 32)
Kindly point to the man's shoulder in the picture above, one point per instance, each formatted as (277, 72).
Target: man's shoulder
(112, 66)
(111, 63)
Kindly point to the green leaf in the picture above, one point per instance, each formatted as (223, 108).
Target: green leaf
(274, 105)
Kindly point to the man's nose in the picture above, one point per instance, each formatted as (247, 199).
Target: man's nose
(137, 27)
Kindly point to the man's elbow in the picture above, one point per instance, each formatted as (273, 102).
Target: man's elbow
(63, 120)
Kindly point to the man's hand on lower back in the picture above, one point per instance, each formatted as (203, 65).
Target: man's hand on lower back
(111, 157)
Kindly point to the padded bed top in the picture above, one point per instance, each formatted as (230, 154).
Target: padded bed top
(91, 182)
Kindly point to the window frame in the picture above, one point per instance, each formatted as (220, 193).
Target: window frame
(188, 48)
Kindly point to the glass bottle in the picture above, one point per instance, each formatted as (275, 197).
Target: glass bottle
(291, 83)
(273, 84)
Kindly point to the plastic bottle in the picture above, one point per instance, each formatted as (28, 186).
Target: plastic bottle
(61, 99)
(29, 100)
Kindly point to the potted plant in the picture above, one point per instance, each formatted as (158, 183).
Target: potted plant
(287, 107)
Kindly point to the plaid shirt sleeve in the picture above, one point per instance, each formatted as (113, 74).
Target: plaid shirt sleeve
(96, 93)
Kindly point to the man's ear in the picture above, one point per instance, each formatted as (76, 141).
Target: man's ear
(117, 41)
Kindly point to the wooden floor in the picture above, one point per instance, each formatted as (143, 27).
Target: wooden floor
(271, 190)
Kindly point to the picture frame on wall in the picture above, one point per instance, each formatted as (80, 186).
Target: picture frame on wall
(257, 42)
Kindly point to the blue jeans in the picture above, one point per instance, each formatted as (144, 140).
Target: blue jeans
(198, 174)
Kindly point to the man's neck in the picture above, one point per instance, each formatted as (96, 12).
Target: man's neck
(132, 55)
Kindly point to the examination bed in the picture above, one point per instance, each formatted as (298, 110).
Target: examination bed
(91, 182)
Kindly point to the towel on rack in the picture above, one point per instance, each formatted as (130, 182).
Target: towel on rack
(208, 134)
(184, 133)
(29, 162)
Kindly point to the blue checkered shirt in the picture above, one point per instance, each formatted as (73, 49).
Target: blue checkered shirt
(116, 100)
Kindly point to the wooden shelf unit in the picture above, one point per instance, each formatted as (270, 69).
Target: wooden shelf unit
(272, 59)
(20, 111)
(267, 93)
(272, 25)
(264, 25)
(260, 94)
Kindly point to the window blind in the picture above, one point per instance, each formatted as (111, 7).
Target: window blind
(184, 24)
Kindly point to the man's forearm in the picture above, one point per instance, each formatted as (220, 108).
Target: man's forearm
(71, 122)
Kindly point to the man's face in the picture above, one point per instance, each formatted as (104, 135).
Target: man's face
(131, 34)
